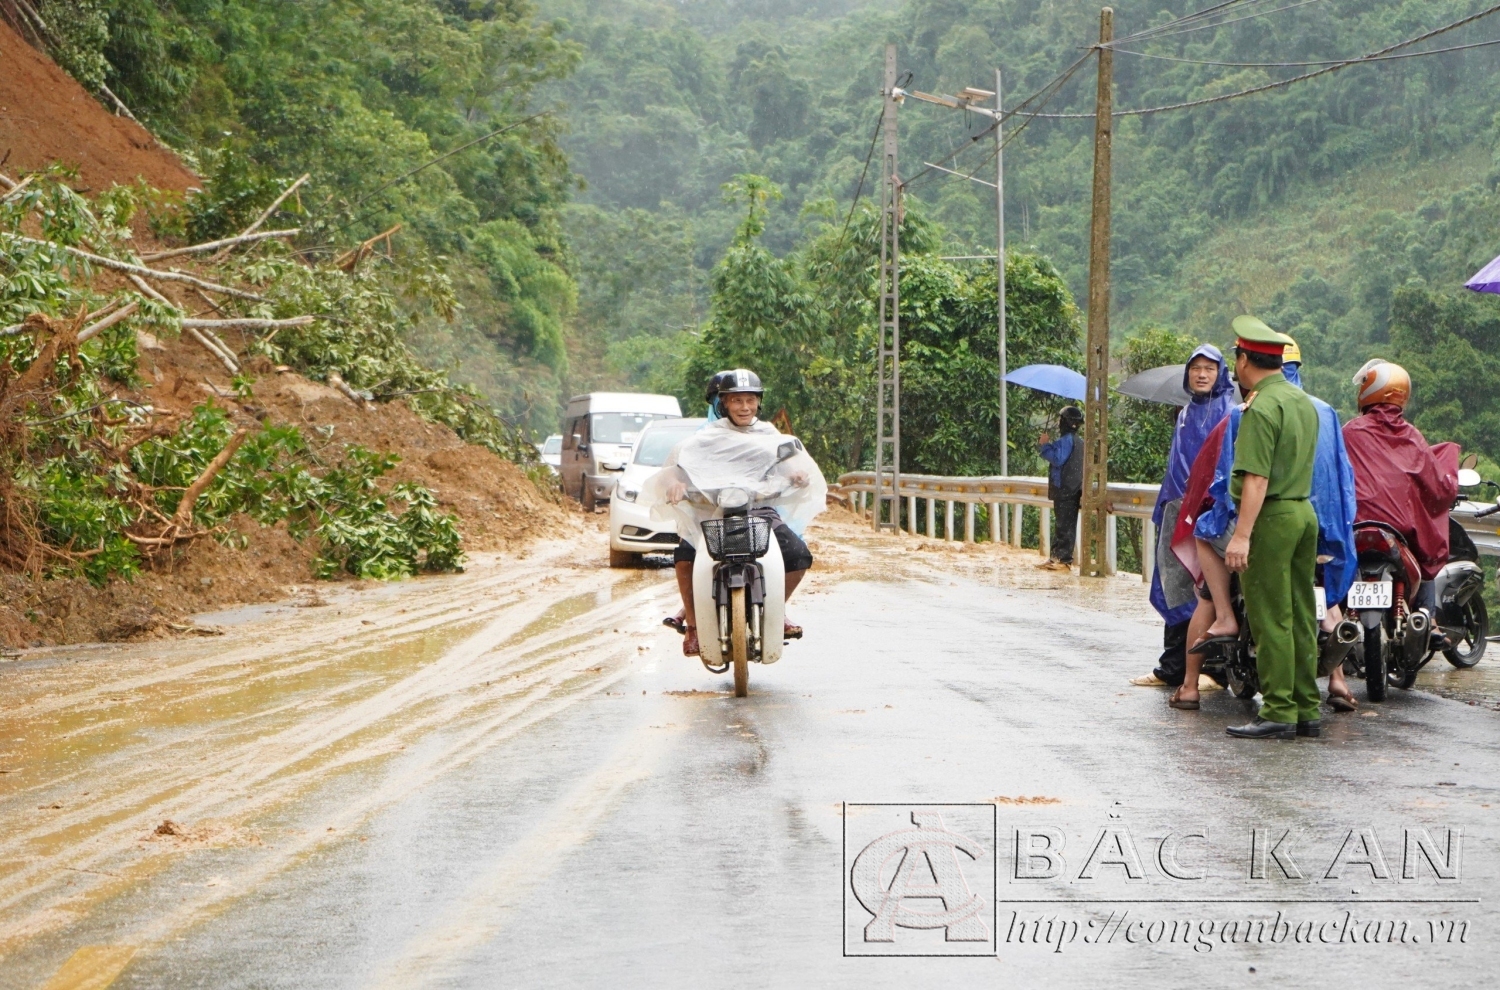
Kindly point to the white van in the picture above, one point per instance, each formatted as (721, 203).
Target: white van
(598, 433)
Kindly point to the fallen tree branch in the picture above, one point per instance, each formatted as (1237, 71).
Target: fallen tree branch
(337, 381)
(120, 106)
(152, 273)
(350, 260)
(230, 364)
(16, 187)
(221, 243)
(149, 292)
(224, 252)
(184, 514)
(95, 329)
(247, 323)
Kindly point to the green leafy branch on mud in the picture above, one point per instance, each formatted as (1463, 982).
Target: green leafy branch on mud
(96, 482)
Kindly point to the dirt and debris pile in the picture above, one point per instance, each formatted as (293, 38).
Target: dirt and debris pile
(46, 117)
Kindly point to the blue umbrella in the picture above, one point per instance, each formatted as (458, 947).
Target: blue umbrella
(1051, 378)
(1487, 279)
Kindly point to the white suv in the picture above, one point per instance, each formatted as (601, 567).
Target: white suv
(632, 531)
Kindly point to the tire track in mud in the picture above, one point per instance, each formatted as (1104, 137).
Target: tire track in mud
(520, 655)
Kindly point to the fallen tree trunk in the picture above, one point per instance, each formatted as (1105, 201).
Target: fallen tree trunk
(184, 514)
(95, 329)
(224, 252)
(222, 243)
(247, 324)
(152, 273)
(228, 361)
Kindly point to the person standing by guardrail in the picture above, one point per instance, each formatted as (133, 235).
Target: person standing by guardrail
(1064, 486)
(1275, 542)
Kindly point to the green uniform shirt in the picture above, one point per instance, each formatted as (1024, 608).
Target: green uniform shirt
(1277, 439)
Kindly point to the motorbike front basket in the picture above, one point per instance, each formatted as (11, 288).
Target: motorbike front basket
(737, 536)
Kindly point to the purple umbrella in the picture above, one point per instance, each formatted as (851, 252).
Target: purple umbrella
(1487, 280)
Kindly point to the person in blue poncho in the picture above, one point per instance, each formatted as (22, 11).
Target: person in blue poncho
(1205, 378)
(1333, 502)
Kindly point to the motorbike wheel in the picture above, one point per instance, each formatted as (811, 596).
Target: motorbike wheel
(1468, 651)
(1374, 647)
(1241, 687)
(739, 648)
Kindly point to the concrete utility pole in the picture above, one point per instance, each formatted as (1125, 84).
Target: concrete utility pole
(1000, 264)
(888, 347)
(1095, 556)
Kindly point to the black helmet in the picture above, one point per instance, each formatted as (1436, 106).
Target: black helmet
(1071, 418)
(738, 380)
(728, 382)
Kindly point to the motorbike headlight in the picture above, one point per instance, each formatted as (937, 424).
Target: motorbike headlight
(627, 494)
(613, 466)
(733, 498)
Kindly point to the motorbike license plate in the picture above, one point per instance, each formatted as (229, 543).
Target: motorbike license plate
(1320, 597)
(1370, 594)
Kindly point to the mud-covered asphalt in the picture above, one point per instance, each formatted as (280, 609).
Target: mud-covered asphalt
(512, 778)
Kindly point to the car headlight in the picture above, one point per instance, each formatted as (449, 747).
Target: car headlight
(627, 494)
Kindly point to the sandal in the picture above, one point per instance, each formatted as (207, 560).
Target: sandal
(1176, 702)
(675, 622)
(1342, 702)
(790, 630)
(690, 642)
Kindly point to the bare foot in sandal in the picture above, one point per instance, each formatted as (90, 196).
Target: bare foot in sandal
(1225, 627)
(1177, 699)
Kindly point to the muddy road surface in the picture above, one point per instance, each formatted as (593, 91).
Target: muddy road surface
(512, 778)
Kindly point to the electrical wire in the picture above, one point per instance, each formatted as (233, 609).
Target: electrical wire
(1293, 65)
(861, 187)
(1372, 56)
(1184, 19)
(1204, 27)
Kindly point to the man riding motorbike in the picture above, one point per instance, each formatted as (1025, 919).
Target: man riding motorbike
(735, 397)
(1398, 479)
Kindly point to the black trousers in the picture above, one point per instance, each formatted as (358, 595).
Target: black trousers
(1172, 667)
(1065, 526)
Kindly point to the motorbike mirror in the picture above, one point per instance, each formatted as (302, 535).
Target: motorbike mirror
(787, 451)
(1470, 461)
(1468, 478)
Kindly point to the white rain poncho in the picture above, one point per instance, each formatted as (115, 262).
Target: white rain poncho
(722, 455)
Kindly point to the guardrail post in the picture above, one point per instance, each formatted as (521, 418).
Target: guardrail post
(948, 519)
(1016, 521)
(931, 517)
(1112, 541)
(1046, 531)
(997, 522)
(969, 508)
(1148, 549)
(911, 515)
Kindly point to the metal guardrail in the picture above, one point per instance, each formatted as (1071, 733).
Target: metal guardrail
(1128, 500)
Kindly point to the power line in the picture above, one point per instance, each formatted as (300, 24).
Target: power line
(1215, 24)
(861, 187)
(1184, 19)
(1292, 65)
(1371, 57)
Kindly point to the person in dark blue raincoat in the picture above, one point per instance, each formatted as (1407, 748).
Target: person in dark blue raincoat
(1205, 377)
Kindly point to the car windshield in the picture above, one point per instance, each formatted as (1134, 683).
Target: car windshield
(620, 427)
(553, 445)
(659, 441)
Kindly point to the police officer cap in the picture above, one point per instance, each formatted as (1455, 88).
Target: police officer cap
(1253, 335)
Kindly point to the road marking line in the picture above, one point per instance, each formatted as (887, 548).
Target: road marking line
(92, 967)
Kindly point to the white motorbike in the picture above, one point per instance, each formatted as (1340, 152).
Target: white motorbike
(734, 490)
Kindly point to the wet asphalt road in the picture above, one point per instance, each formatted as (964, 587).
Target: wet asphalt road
(515, 780)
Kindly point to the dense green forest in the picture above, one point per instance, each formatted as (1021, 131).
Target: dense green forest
(683, 199)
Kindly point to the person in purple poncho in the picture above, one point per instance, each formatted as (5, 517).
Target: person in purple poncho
(1206, 379)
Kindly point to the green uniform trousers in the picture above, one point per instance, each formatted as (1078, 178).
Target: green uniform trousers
(1282, 609)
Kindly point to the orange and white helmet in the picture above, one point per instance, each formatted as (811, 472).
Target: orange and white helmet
(1382, 382)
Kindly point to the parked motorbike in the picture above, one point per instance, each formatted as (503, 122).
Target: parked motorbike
(1399, 640)
(1230, 660)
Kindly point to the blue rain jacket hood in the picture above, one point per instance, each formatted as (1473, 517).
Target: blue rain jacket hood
(1332, 498)
(1194, 423)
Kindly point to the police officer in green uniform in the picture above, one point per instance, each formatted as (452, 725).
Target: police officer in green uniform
(1275, 543)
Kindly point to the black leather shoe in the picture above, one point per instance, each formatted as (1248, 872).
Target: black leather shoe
(1261, 729)
(1312, 728)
